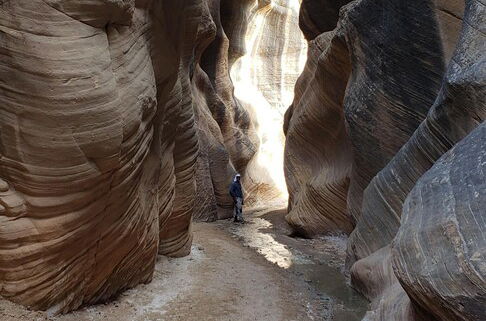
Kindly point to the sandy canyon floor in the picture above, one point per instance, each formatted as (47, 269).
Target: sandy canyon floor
(251, 271)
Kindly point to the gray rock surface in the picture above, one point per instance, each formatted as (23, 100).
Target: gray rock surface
(416, 87)
(459, 108)
(439, 251)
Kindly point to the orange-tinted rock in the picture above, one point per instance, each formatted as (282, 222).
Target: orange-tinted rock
(102, 109)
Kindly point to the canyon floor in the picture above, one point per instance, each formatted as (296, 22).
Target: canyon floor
(251, 271)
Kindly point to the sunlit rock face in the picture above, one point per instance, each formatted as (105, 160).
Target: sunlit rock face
(264, 79)
(227, 137)
(396, 86)
(104, 106)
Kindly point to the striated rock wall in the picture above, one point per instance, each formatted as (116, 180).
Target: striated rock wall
(459, 108)
(104, 107)
(317, 150)
(227, 135)
(264, 78)
(446, 273)
(78, 98)
(393, 89)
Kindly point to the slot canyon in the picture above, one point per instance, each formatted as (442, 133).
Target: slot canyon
(358, 128)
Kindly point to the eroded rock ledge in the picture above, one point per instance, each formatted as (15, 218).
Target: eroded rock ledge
(376, 146)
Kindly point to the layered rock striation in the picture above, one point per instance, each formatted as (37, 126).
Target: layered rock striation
(385, 94)
(104, 109)
(445, 273)
(264, 79)
(227, 136)
(317, 150)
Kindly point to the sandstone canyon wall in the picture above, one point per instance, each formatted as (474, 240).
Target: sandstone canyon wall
(227, 136)
(260, 45)
(104, 107)
(264, 79)
(376, 147)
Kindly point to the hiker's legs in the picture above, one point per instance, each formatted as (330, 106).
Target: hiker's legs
(237, 210)
(239, 207)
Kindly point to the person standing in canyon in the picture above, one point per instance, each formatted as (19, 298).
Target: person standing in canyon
(237, 193)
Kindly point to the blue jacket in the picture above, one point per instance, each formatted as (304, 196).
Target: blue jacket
(235, 189)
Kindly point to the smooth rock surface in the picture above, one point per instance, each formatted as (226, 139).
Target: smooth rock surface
(459, 108)
(439, 251)
(104, 107)
(318, 157)
(415, 88)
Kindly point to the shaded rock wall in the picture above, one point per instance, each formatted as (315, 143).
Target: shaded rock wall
(104, 106)
(317, 151)
(453, 240)
(459, 108)
(405, 88)
(381, 114)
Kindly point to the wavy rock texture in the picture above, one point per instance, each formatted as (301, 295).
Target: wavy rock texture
(78, 104)
(460, 107)
(318, 152)
(453, 240)
(381, 113)
(457, 110)
(226, 133)
(398, 54)
(365, 87)
(102, 107)
(318, 159)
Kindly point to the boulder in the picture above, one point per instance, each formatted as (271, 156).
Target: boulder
(439, 251)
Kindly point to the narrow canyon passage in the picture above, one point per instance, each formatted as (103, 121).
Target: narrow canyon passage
(255, 271)
(357, 129)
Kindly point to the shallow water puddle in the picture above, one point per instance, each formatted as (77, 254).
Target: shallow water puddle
(265, 244)
(322, 271)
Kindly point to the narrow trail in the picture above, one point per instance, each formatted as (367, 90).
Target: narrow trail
(251, 271)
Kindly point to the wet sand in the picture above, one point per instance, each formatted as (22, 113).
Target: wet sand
(319, 262)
